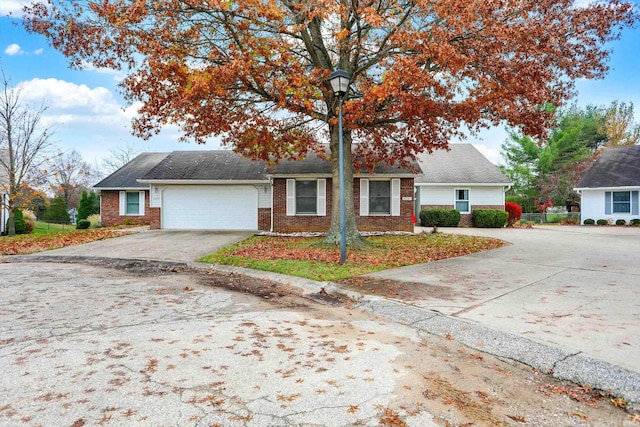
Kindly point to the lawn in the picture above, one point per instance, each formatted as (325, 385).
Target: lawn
(307, 257)
(47, 228)
(52, 239)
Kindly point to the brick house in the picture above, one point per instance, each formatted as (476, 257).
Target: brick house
(222, 190)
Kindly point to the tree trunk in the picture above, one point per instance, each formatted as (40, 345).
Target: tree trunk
(11, 224)
(353, 237)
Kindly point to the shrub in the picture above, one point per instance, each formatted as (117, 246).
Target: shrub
(19, 222)
(95, 221)
(621, 222)
(89, 205)
(83, 224)
(635, 222)
(602, 222)
(439, 217)
(589, 221)
(515, 213)
(29, 221)
(489, 218)
(569, 221)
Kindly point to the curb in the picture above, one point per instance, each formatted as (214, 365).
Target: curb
(550, 360)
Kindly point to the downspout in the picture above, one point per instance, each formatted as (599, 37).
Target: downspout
(271, 183)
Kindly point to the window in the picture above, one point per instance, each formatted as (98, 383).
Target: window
(621, 202)
(380, 197)
(462, 200)
(133, 203)
(306, 197)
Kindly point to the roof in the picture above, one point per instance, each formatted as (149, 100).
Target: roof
(128, 175)
(314, 165)
(616, 167)
(461, 164)
(213, 165)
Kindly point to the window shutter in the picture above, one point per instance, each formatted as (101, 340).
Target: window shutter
(607, 202)
(634, 203)
(291, 197)
(123, 203)
(322, 198)
(364, 197)
(395, 197)
(141, 204)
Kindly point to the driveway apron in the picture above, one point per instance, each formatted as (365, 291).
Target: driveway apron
(575, 288)
(159, 245)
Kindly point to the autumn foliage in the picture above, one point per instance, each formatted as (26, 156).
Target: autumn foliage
(256, 72)
(27, 244)
(515, 213)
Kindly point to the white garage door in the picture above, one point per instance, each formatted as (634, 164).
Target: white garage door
(210, 207)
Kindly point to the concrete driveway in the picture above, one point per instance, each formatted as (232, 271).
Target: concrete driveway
(574, 288)
(162, 245)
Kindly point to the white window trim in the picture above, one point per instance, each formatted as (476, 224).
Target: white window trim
(321, 198)
(123, 203)
(456, 200)
(394, 203)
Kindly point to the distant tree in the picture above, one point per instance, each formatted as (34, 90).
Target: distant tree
(620, 126)
(57, 211)
(24, 145)
(88, 205)
(69, 176)
(521, 154)
(118, 157)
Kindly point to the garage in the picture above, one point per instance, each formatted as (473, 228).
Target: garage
(210, 207)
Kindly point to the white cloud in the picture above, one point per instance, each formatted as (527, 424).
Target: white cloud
(492, 154)
(14, 49)
(13, 7)
(38, 51)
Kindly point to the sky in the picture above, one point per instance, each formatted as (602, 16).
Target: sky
(89, 115)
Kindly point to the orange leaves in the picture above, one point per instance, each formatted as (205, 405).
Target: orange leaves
(30, 243)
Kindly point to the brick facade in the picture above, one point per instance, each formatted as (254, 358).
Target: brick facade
(110, 211)
(312, 223)
(465, 219)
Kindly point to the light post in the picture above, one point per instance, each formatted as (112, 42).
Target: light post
(339, 80)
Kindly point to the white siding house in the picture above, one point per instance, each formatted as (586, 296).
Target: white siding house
(460, 178)
(610, 189)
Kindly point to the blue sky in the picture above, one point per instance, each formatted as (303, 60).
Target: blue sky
(90, 116)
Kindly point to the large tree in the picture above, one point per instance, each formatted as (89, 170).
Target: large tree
(256, 71)
(24, 145)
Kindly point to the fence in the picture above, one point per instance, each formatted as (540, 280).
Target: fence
(549, 218)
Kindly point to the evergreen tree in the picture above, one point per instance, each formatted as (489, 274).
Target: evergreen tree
(57, 211)
(89, 205)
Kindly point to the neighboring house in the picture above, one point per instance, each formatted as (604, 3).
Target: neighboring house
(222, 190)
(123, 200)
(4, 193)
(609, 189)
(460, 178)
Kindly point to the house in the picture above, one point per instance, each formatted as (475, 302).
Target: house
(609, 189)
(460, 178)
(220, 189)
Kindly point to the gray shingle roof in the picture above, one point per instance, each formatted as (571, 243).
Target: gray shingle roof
(616, 167)
(462, 164)
(128, 175)
(211, 165)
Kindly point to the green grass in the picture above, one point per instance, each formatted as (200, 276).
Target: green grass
(308, 258)
(49, 228)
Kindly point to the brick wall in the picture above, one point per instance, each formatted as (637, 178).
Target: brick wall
(264, 219)
(291, 224)
(110, 211)
(465, 219)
